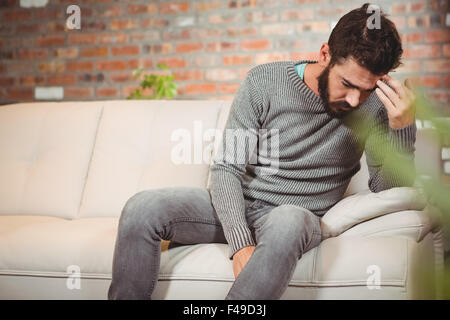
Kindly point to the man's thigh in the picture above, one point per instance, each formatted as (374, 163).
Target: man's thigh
(183, 215)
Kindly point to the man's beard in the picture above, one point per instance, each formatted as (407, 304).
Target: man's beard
(336, 109)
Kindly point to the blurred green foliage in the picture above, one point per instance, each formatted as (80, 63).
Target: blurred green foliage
(162, 86)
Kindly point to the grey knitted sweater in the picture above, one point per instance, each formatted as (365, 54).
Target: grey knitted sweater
(282, 147)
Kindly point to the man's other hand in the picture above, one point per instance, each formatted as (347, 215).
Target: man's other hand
(241, 258)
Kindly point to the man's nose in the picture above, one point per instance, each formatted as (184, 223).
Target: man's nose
(352, 98)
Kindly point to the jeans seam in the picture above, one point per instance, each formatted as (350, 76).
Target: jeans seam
(194, 220)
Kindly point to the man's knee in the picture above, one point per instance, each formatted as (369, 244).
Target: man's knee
(145, 208)
(291, 223)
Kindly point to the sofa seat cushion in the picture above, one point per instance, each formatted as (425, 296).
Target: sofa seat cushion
(47, 247)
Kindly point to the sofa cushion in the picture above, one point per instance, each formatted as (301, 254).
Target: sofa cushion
(411, 224)
(140, 145)
(47, 247)
(45, 154)
(367, 205)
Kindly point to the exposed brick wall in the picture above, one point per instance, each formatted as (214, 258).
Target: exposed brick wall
(208, 45)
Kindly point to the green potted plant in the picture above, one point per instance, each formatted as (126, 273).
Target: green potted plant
(162, 86)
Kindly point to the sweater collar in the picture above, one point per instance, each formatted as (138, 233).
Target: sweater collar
(304, 89)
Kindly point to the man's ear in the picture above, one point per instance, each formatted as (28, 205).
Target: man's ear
(324, 55)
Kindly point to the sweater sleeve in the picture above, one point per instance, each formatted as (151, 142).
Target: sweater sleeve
(236, 149)
(390, 154)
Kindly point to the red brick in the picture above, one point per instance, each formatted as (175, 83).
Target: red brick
(440, 96)
(208, 5)
(202, 88)
(410, 66)
(141, 8)
(110, 11)
(422, 51)
(30, 28)
(81, 38)
(316, 26)
(417, 7)
(93, 26)
(242, 4)
(111, 65)
(6, 81)
(228, 88)
(20, 94)
(65, 53)
(52, 40)
(297, 15)
(400, 22)
(32, 80)
(17, 15)
(237, 60)
(34, 54)
(260, 16)
(419, 22)
(427, 81)
(112, 38)
(242, 32)
(173, 7)
(224, 19)
(411, 37)
(154, 22)
(446, 50)
(253, 45)
(220, 75)
(53, 66)
(178, 35)
(133, 64)
(269, 57)
(121, 77)
(398, 8)
(127, 90)
(123, 24)
(106, 92)
(75, 66)
(77, 92)
(189, 47)
(188, 75)
(125, 50)
(163, 48)
(221, 46)
(61, 79)
(49, 14)
(144, 37)
(308, 55)
(437, 65)
(437, 36)
(94, 52)
(446, 81)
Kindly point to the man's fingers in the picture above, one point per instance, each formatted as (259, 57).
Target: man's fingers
(388, 92)
(385, 100)
(410, 88)
(399, 89)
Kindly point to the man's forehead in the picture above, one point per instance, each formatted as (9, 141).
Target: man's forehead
(351, 71)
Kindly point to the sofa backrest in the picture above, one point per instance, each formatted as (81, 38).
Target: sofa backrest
(45, 151)
(86, 159)
(144, 145)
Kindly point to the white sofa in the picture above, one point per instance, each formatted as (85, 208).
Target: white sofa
(67, 169)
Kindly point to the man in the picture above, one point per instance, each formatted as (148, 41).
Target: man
(318, 118)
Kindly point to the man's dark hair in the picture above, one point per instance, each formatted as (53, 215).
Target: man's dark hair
(378, 50)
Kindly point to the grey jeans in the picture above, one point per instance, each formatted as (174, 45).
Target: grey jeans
(185, 215)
